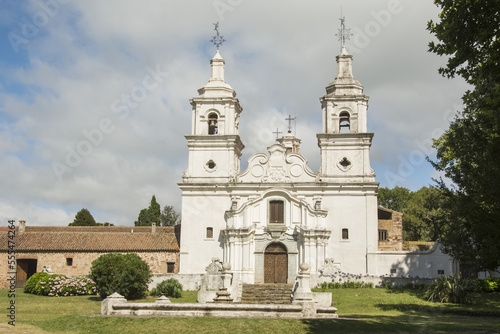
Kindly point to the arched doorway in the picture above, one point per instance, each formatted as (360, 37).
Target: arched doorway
(275, 263)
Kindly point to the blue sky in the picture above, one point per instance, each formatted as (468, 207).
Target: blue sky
(69, 139)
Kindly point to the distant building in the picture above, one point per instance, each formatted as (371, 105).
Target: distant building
(70, 250)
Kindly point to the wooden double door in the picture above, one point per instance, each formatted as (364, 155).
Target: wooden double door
(275, 263)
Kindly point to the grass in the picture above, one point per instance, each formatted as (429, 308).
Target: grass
(360, 311)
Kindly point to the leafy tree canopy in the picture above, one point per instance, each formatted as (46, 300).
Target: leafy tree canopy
(169, 216)
(83, 218)
(469, 151)
(426, 215)
(166, 217)
(395, 199)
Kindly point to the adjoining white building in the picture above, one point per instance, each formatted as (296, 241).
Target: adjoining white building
(278, 213)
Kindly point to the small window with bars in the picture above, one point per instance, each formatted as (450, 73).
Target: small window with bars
(345, 234)
(382, 235)
(170, 267)
(69, 261)
(210, 233)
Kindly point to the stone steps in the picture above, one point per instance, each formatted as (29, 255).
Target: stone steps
(266, 294)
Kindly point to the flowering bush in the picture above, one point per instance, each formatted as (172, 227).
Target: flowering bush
(63, 286)
(59, 285)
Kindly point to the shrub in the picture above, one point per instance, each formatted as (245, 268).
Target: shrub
(489, 284)
(33, 283)
(169, 288)
(126, 274)
(451, 289)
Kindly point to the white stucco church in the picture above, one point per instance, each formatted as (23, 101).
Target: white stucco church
(278, 213)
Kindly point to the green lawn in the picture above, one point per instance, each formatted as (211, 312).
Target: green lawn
(360, 311)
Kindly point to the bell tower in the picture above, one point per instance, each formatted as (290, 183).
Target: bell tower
(214, 143)
(344, 142)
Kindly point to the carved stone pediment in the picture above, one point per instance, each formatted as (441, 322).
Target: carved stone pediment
(330, 267)
(279, 166)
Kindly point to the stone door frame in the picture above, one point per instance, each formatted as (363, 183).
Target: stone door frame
(292, 256)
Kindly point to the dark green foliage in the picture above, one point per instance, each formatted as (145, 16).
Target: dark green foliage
(426, 215)
(33, 286)
(83, 218)
(451, 289)
(169, 216)
(469, 151)
(126, 274)
(168, 288)
(489, 284)
(395, 199)
(149, 215)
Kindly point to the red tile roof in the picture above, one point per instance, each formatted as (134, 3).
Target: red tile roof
(92, 238)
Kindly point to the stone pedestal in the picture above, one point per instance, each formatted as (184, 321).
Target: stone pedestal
(107, 304)
(303, 292)
(223, 295)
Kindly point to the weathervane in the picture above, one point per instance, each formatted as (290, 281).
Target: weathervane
(217, 40)
(277, 132)
(290, 119)
(343, 33)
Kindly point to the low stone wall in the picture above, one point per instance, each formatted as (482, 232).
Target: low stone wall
(162, 307)
(190, 282)
(375, 280)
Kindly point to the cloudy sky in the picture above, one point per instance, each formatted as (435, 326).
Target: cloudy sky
(94, 94)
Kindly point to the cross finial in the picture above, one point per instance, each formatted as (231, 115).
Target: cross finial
(277, 132)
(290, 119)
(217, 40)
(343, 33)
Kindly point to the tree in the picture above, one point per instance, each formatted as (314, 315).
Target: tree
(169, 216)
(469, 151)
(83, 218)
(426, 215)
(149, 215)
(395, 199)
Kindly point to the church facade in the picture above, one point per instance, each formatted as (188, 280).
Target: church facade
(278, 213)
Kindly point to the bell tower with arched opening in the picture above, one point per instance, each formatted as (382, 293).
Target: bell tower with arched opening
(214, 143)
(344, 141)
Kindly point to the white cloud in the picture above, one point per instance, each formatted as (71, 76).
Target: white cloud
(279, 58)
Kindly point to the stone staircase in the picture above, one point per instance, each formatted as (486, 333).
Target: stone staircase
(266, 294)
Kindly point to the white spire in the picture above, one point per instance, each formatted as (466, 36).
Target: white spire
(216, 86)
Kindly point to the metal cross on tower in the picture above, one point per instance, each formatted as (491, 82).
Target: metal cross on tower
(277, 132)
(217, 40)
(290, 119)
(343, 33)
